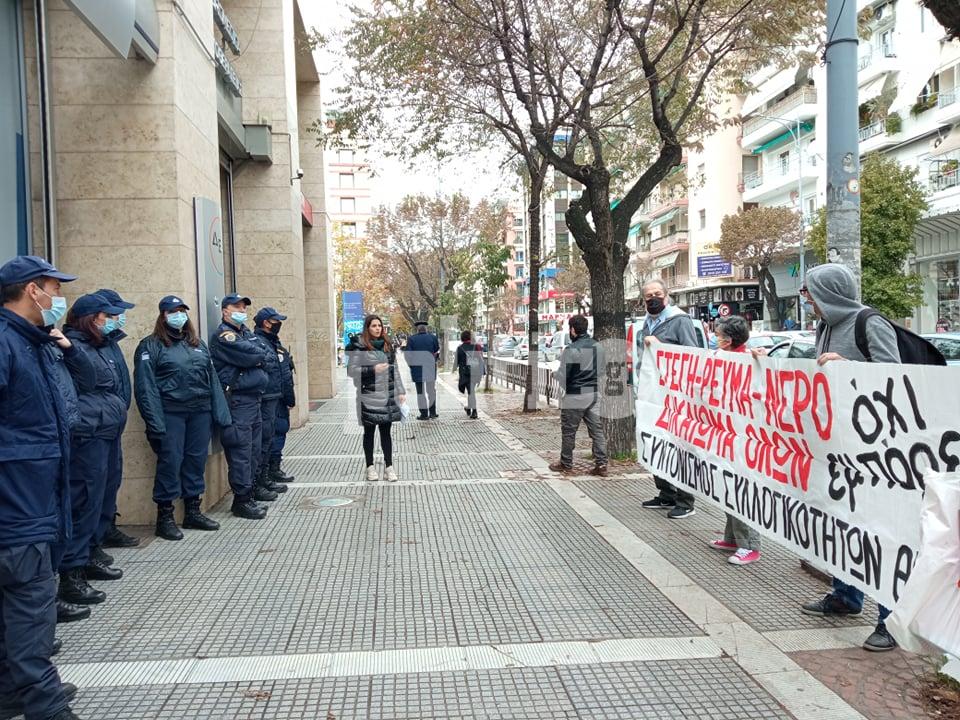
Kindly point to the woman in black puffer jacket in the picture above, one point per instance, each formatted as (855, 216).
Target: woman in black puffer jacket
(372, 363)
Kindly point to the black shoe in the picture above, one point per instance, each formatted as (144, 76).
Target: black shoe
(423, 417)
(262, 494)
(277, 474)
(880, 640)
(166, 525)
(473, 415)
(247, 509)
(434, 415)
(68, 612)
(278, 488)
(75, 589)
(468, 411)
(658, 503)
(66, 714)
(830, 605)
(193, 519)
(98, 571)
(678, 513)
(14, 708)
(98, 556)
(116, 538)
(57, 646)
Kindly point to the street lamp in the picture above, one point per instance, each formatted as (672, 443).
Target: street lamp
(795, 134)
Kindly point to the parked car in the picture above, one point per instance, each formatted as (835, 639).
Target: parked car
(522, 350)
(767, 339)
(504, 345)
(949, 344)
(796, 347)
(555, 345)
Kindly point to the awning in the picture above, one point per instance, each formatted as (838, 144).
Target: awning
(634, 230)
(780, 139)
(769, 89)
(666, 260)
(665, 218)
(944, 144)
(872, 89)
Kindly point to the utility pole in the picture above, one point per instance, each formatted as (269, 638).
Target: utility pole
(843, 141)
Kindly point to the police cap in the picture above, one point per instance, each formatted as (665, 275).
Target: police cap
(234, 299)
(94, 303)
(24, 268)
(172, 302)
(268, 313)
(114, 297)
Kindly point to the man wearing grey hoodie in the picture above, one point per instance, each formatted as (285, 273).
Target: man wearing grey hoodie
(832, 290)
(668, 324)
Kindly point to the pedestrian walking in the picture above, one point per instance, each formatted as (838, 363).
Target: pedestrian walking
(421, 353)
(832, 290)
(372, 364)
(239, 359)
(288, 399)
(94, 447)
(180, 399)
(741, 540)
(35, 510)
(667, 323)
(267, 323)
(578, 374)
(108, 534)
(470, 370)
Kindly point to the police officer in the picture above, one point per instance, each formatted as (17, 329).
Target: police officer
(34, 491)
(180, 398)
(278, 396)
(287, 401)
(239, 359)
(421, 353)
(108, 534)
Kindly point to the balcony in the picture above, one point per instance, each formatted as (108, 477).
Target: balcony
(676, 281)
(779, 177)
(675, 241)
(875, 136)
(948, 106)
(801, 105)
(876, 61)
(871, 130)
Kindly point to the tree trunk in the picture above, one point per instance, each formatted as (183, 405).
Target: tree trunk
(768, 286)
(532, 391)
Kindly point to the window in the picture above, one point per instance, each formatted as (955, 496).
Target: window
(784, 160)
(561, 194)
(226, 224)
(703, 219)
(345, 155)
(560, 217)
(349, 229)
(519, 273)
(519, 257)
(348, 205)
(346, 180)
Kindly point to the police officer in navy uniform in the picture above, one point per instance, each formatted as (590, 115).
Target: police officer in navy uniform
(108, 534)
(34, 490)
(239, 358)
(288, 400)
(421, 354)
(267, 322)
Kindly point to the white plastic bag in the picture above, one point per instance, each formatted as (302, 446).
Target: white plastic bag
(928, 612)
(404, 412)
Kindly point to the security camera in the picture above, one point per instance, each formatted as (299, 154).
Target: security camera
(298, 175)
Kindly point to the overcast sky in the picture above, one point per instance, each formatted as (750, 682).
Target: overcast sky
(478, 176)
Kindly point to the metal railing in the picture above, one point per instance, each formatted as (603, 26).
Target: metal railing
(806, 95)
(677, 281)
(945, 98)
(871, 130)
(753, 180)
(944, 181)
(513, 374)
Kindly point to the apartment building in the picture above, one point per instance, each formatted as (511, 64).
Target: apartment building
(349, 184)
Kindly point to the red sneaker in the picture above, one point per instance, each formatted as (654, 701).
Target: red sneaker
(722, 544)
(743, 556)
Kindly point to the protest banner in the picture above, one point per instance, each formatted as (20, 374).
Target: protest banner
(827, 461)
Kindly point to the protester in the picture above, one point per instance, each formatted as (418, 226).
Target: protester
(288, 400)
(580, 363)
(34, 487)
(239, 360)
(94, 446)
(108, 534)
(267, 324)
(422, 351)
(180, 398)
(470, 370)
(372, 364)
(667, 323)
(832, 290)
(738, 537)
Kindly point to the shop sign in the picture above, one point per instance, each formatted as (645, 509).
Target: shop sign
(548, 317)
(751, 294)
(713, 266)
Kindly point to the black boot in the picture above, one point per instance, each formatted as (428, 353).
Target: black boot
(57, 646)
(68, 612)
(473, 415)
(98, 571)
(263, 481)
(14, 707)
(276, 472)
(116, 538)
(166, 525)
(246, 508)
(97, 555)
(75, 589)
(193, 519)
(66, 714)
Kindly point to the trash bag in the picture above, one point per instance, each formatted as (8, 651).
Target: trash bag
(404, 412)
(928, 612)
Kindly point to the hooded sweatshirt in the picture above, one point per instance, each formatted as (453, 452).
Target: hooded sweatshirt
(834, 290)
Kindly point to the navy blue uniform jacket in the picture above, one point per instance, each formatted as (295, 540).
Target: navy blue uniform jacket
(239, 358)
(421, 354)
(103, 411)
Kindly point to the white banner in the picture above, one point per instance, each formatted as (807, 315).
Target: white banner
(827, 461)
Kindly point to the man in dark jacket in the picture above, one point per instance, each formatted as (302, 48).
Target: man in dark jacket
(288, 400)
(421, 354)
(580, 364)
(239, 359)
(34, 489)
(668, 324)
(108, 534)
(267, 322)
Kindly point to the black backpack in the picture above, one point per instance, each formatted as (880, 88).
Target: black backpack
(914, 350)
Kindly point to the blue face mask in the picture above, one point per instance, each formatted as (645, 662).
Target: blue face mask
(122, 320)
(807, 308)
(109, 326)
(177, 320)
(238, 317)
(58, 309)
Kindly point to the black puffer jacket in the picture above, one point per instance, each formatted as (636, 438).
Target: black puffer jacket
(377, 392)
(103, 411)
(580, 366)
(271, 363)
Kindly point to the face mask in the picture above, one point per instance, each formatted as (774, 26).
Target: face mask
(109, 326)
(122, 320)
(58, 308)
(655, 305)
(276, 328)
(808, 308)
(177, 320)
(238, 317)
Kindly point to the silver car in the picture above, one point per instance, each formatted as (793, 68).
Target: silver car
(947, 343)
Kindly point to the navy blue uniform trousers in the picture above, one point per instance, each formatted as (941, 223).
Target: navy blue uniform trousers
(280, 430)
(183, 456)
(90, 460)
(268, 414)
(114, 477)
(28, 616)
(242, 442)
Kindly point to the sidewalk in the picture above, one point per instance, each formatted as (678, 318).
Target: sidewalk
(479, 586)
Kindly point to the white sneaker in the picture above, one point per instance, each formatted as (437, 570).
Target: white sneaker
(389, 474)
(372, 475)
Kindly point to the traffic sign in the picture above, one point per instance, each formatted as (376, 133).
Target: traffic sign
(724, 310)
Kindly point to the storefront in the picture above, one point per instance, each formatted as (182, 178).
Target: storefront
(937, 243)
(718, 301)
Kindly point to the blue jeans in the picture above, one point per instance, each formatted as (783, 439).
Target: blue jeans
(854, 598)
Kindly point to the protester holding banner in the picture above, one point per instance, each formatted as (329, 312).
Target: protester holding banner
(732, 334)
(832, 290)
(667, 323)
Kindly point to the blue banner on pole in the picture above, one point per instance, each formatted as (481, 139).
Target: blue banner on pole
(352, 314)
(713, 266)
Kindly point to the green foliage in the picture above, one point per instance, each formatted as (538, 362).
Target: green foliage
(891, 203)
(490, 267)
(893, 124)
